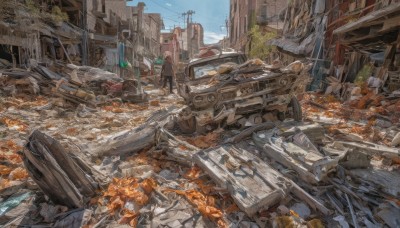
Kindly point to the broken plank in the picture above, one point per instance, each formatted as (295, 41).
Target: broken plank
(127, 142)
(372, 148)
(249, 131)
(278, 154)
(132, 141)
(55, 172)
(252, 183)
(385, 181)
(311, 201)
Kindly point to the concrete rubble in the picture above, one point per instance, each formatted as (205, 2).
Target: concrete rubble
(74, 154)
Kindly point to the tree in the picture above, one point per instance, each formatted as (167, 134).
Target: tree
(258, 42)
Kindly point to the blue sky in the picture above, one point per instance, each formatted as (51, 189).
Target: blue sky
(210, 13)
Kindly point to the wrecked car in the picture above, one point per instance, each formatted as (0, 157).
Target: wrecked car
(228, 90)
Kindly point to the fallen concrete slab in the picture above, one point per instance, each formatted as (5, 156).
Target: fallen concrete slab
(372, 148)
(251, 182)
(311, 167)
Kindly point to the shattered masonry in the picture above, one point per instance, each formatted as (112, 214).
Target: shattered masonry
(83, 147)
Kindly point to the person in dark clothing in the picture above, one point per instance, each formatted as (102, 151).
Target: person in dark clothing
(167, 72)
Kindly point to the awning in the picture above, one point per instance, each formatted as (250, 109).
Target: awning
(372, 32)
(365, 21)
(67, 31)
(104, 38)
(305, 47)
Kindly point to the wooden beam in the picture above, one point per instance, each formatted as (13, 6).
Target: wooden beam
(391, 23)
(395, 7)
(75, 3)
(13, 40)
(50, 165)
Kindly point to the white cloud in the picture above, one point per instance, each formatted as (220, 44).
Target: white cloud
(212, 37)
(168, 4)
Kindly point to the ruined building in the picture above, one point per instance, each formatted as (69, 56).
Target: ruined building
(245, 14)
(344, 40)
(101, 33)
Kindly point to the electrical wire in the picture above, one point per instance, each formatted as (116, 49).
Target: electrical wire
(171, 19)
(160, 5)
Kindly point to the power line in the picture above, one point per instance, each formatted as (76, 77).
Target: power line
(171, 19)
(160, 5)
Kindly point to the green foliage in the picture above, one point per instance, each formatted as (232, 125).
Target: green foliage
(30, 4)
(253, 20)
(259, 39)
(58, 15)
(55, 15)
(363, 74)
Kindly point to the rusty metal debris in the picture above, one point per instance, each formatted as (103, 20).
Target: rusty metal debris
(226, 90)
(271, 174)
(91, 159)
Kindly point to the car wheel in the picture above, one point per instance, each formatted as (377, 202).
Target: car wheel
(296, 109)
(188, 126)
(281, 116)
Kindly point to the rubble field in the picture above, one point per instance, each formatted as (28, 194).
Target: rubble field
(75, 153)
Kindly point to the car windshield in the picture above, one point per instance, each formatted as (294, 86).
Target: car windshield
(203, 69)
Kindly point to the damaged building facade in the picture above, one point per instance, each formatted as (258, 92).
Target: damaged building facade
(101, 33)
(240, 143)
(245, 14)
(348, 41)
(183, 44)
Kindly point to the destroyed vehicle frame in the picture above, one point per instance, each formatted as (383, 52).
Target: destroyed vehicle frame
(246, 96)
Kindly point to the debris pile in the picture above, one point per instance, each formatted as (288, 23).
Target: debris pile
(76, 84)
(226, 91)
(118, 163)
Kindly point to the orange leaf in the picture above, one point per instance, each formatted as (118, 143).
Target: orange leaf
(4, 170)
(18, 174)
(115, 204)
(222, 224)
(293, 213)
(133, 222)
(210, 212)
(19, 125)
(193, 173)
(210, 201)
(4, 183)
(148, 185)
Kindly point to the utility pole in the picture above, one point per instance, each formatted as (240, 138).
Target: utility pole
(184, 19)
(85, 34)
(277, 20)
(189, 14)
(227, 27)
(189, 31)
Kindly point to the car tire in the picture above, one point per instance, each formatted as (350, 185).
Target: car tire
(296, 109)
(189, 126)
(281, 116)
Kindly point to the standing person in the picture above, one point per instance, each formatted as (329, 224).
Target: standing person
(167, 72)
